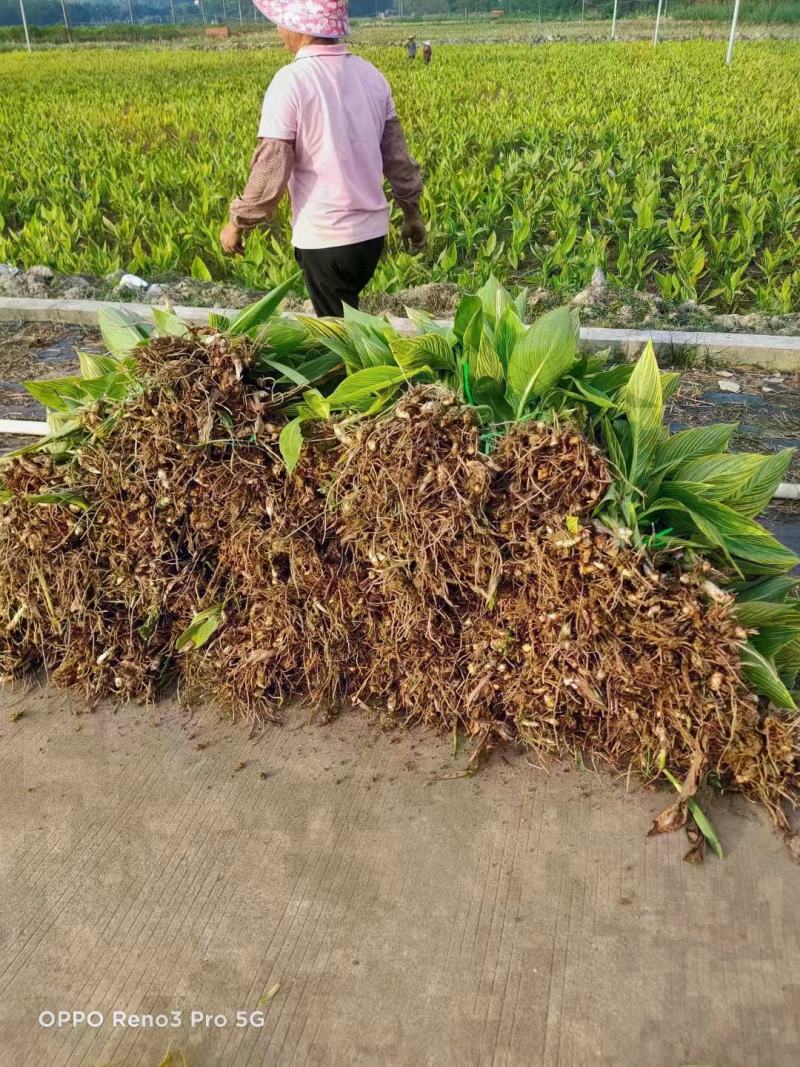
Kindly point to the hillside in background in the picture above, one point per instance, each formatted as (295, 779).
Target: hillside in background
(91, 12)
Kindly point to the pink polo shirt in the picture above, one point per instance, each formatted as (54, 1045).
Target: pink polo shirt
(334, 106)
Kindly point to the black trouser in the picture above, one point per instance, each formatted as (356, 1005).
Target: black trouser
(337, 275)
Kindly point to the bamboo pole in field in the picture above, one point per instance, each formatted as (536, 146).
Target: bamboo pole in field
(130, 12)
(224, 13)
(241, 19)
(658, 23)
(25, 25)
(172, 9)
(732, 38)
(614, 22)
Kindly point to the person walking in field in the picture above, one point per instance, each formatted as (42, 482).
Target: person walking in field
(411, 48)
(329, 133)
(427, 52)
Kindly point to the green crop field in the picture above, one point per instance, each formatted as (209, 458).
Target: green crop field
(662, 166)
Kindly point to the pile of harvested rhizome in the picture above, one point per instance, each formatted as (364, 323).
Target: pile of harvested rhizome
(399, 567)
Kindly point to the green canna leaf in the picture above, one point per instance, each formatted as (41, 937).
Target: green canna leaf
(285, 371)
(764, 679)
(290, 443)
(60, 394)
(740, 538)
(541, 355)
(284, 336)
(168, 324)
(217, 321)
(723, 474)
(670, 382)
(316, 404)
(66, 497)
(200, 271)
(322, 366)
(643, 403)
(613, 379)
(258, 313)
(757, 492)
(787, 663)
(430, 350)
(94, 365)
(485, 363)
(762, 613)
(469, 307)
(495, 299)
(507, 331)
(774, 590)
(366, 384)
(490, 393)
(371, 323)
(370, 349)
(122, 331)
(690, 444)
(201, 629)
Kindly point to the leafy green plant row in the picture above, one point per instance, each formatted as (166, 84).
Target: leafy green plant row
(535, 171)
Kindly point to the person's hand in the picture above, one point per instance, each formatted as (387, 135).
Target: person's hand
(231, 240)
(413, 234)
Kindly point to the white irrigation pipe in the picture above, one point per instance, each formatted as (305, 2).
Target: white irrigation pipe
(25, 25)
(658, 23)
(66, 21)
(24, 428)
(614, 22)
(732, 38)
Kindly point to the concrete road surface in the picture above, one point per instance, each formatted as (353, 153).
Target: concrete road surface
(157, 863)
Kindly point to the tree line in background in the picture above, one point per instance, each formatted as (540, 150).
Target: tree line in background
(88, 12)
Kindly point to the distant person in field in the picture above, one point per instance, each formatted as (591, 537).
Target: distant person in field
(329, 133)
(427, 52)
(411, 48)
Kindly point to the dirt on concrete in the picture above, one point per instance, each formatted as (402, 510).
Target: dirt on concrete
(377, 905)
(766, 407)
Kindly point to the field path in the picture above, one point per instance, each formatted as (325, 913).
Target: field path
(152, 861)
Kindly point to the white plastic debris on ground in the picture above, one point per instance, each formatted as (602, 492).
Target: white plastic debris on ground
(132, 281)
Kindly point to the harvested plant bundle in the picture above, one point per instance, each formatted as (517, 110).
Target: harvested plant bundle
(268, 527)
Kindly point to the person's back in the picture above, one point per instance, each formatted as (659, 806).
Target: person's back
(334, 106)
(330, 134)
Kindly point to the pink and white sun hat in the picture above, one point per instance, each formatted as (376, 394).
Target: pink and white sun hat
(318, 18)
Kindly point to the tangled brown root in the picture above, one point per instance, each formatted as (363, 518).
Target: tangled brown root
(399, 565)
(410, 493)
